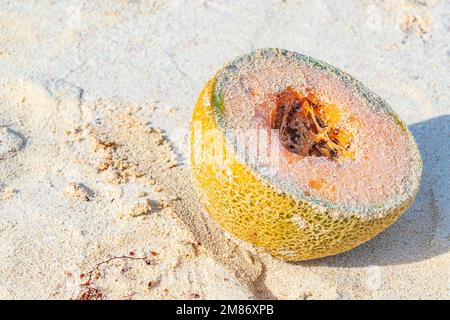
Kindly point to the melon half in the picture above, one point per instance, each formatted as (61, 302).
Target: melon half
(299, 158)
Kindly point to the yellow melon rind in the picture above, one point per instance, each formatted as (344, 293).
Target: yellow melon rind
(254, 211)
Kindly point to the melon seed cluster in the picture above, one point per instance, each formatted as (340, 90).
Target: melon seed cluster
(309, 127)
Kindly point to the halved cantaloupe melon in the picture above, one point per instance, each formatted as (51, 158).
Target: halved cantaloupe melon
(297, 157)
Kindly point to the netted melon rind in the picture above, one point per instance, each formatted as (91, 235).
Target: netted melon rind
(247, 206)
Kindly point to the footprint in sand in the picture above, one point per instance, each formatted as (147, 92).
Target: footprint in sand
(10, 142)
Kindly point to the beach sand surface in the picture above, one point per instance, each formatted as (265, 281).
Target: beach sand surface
(96, 200)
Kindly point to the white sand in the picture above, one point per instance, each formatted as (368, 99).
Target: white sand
(89, 188)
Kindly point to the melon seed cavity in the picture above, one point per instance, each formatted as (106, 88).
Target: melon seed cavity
(308, 127)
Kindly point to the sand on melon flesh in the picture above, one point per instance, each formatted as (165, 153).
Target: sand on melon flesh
(384, 168)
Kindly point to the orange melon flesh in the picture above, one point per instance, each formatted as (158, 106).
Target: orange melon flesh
(380, 162)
